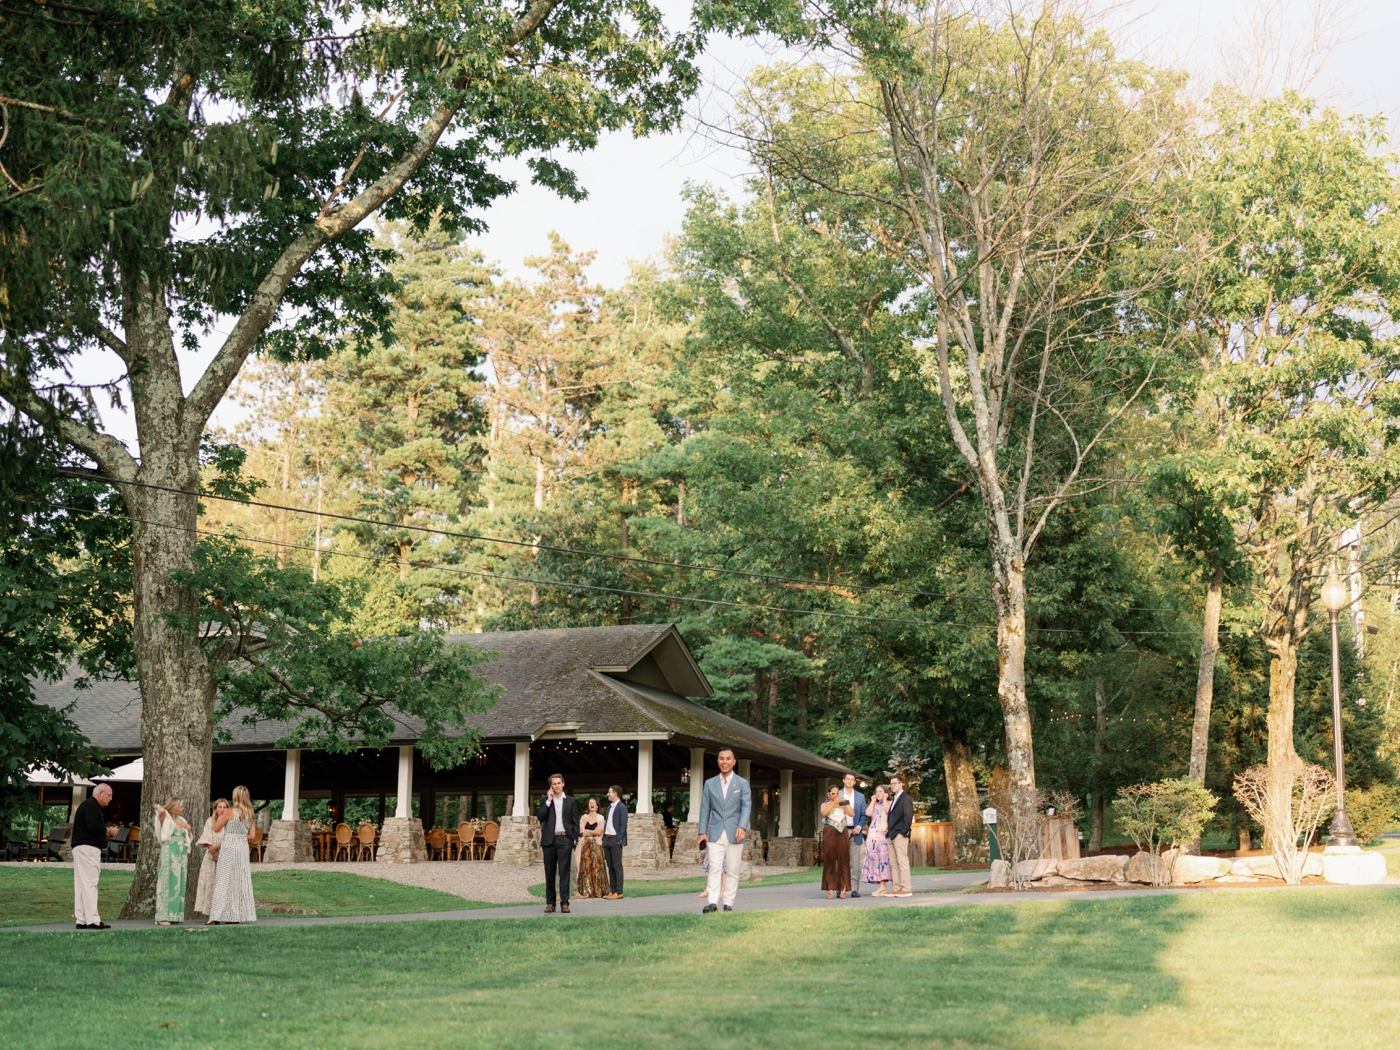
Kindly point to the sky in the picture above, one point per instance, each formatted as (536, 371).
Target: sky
(635, 187)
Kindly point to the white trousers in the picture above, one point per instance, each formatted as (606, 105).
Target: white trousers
(725, 858)
(87, 866)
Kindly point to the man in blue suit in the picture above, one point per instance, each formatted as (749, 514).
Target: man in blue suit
(726, 805)
(614, 838)
(853, 795)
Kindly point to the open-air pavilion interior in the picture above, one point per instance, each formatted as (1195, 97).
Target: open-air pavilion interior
(599, 705)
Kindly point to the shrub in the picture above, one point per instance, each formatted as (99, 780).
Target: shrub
(1290, 811)
(1373, 811)
(1170, 811)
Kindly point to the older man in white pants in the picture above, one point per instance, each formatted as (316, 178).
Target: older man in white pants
(89, 839)
(726, 805)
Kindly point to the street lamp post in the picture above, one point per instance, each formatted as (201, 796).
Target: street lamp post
(1334, 599)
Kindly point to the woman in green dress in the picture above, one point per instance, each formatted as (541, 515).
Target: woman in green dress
(174, 834)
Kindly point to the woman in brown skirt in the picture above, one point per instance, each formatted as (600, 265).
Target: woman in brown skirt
(836, 844)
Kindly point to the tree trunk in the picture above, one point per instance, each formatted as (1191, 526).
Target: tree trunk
(1283, 681)
(1100, 724)
(963, 807)
(1205, 677)
(1009, 593)
(1096, 814)
(755, 718)
(773, 704)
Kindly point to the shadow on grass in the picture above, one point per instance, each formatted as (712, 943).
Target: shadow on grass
(974, 976)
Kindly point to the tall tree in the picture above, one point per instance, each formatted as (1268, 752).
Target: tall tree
(168, 165)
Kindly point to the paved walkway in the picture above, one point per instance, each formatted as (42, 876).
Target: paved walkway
(930, 891)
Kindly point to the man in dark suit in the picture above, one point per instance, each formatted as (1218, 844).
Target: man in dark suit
(558, 817)
(614, 838)
(899, 828)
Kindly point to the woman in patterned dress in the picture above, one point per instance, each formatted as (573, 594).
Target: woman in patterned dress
(875, 867)
(204, 889)
(233, 883)
(174, 833)
(592, 866)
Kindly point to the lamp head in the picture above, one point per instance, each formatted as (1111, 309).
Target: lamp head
(1334, 593)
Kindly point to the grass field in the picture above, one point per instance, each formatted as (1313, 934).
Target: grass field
(35, 894)
(1302, 968)
(771, 877)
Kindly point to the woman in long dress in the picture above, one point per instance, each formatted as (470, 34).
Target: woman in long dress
(875, 866)
(592, 866)
(233, 883)
(836, 844)
(204, 889)
(174, 833)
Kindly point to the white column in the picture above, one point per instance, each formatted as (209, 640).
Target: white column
(644, 776)
(404, 806)
(744, 767)
(697, 781)
(291, 785)
(785, 803)
(521, 806)
(79, 797)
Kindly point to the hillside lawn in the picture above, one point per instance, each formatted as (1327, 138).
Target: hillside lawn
(1238, 969)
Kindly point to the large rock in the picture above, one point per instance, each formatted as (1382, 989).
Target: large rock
(1001, 875)
(1141, 868)
(1352, 866)
(1265, 867)
(1188, 870)
(1094, 869)
(1032, 870)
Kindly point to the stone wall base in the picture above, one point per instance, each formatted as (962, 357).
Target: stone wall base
(753, 848)
(1351, 867)
(401, 841)
(647, 847)
(289, 841)
(519, 844)
(789, 851)
(687, 831)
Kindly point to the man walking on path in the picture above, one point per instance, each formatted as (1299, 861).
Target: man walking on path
(901, 823)
(90, 835)
(614, 838)
(559, 831)
(726, 805)
(857, 801)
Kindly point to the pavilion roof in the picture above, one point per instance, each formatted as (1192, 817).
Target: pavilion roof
(586, 683)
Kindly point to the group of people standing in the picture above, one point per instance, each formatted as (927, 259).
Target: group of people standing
(597, 836)
(225, 889)
(868, 844)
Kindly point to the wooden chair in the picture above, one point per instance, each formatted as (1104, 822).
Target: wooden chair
(466, 844)
(489, 834)
(365, 845)
(133, 843)
(344, 839)
(258, 845)
(437, 844)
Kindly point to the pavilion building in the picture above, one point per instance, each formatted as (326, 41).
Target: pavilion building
(599, 705)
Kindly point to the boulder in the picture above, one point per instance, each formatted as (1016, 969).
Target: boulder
(1349, 868)
(1054, 881)
(1033, 870)
(1094, 869)
(1237, 878)
(1314, 865)
(1188, 870)
(1140, 867)
(1257, 867)
(1001, 875)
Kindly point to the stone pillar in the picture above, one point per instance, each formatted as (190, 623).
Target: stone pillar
(403, 807)
(646, 847)
(289, 841)
(520, 805)
(697, 783)
(519, 844)
(644, 755)
(401, 839)
(784, 803)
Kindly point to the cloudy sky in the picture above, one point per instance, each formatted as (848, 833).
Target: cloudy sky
(635, 186)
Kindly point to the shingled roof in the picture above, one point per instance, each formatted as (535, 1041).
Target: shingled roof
(586, 683)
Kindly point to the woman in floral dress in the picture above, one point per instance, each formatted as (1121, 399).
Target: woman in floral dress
(592, 865)
(174, 833)
(875, 867)
(233, 883)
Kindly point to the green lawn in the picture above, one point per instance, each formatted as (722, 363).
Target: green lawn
(1283, 969)
(781, 877)
(35, 894)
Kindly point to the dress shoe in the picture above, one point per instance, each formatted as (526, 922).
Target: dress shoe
(564, 908)
(855, 893)
(901, 895)
(549, 909)
(728, 908)
(100, 926)
(81, 926)
(709, 908)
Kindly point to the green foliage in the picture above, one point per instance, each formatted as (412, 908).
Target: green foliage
(1168, 812)
(1373, 811)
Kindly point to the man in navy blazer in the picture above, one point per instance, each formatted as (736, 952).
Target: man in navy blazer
(726, 805)
(853, 795)
(614, 838)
